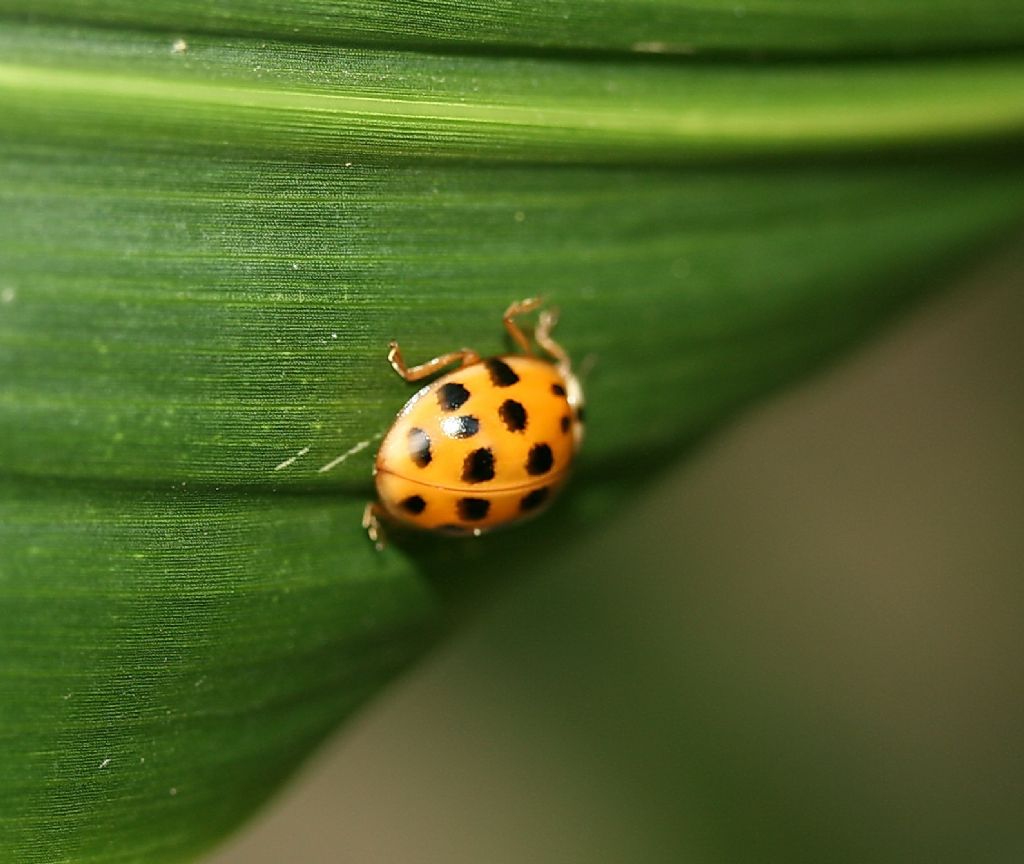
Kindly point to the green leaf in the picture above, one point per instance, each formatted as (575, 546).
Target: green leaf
(209, 238)
(252, 97)
(712, 27)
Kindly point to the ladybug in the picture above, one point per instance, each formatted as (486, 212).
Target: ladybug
(484, 446)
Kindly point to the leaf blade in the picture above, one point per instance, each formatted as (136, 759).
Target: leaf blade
(388, 105)
(149, 672)
(238, 328)
(712, 27)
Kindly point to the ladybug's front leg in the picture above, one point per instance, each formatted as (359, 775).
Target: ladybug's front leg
(465, 356)
(516, 309)
(372, 516)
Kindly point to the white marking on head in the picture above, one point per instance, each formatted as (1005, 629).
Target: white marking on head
(574, 396)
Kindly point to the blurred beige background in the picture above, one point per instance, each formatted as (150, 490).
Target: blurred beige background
(805, 645)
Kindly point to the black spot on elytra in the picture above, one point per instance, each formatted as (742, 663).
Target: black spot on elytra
(473, 509)
(414, 504)
(419, 447)
(452, 396)
(478, 467)
(513, 414)
(566, 423)
(501, 373)
(540, 459)
(558, 389)
(534, 499)
(465, 426)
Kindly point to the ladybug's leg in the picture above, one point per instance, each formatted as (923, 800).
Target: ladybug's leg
(513, 312)
(465, 356)
(372, 524)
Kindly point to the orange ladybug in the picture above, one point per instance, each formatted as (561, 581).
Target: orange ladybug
(486, 445)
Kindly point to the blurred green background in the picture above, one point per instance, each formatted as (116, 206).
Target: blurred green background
(805, 645)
